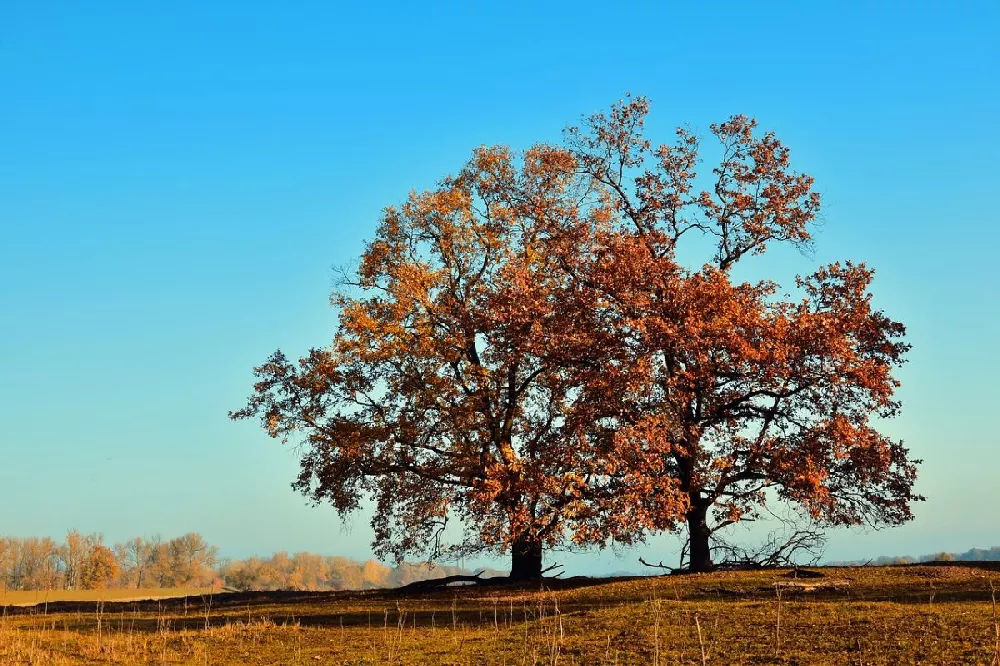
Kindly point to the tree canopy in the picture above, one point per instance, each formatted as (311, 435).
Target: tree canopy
(441, 396)
(737, 392)
(523, 354)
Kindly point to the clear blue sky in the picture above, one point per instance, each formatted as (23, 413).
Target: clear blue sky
(177, 180)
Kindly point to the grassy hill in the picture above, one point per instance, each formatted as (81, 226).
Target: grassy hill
(934, 614)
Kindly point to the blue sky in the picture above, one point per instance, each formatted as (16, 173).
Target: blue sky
(177, 180)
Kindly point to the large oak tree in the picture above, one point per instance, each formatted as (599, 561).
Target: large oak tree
(443, 396)
(735, 391)
(528, 352)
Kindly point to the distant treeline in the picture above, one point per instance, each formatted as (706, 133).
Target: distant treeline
(972, 555)
(83, 561)
(309, 571)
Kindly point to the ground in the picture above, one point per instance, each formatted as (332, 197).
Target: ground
(43, 597)
(929, 614)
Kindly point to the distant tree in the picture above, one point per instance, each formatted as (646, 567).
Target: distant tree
(938, 557)
(161, 567)
(35, 564)
(309, 572)
(73, 553)
(187, 560)
(343, 574)
(374, 574)
(191, 560)
(243, 575)
(135, 556)
(270, 576)
(6, 562)
(980, 554)
(99, 570)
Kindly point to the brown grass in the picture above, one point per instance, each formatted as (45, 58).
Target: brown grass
(896, 615)
(34, 597)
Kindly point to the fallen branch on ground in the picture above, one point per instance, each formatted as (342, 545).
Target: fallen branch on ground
(444, 581)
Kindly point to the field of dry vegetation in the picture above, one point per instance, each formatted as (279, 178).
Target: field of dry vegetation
(876, 615)
(44, 597)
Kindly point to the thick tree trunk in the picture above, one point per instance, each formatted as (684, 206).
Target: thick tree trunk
(700, 549)
(526, 559)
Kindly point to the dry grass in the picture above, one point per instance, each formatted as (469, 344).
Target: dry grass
(899, 615)
(34, 597)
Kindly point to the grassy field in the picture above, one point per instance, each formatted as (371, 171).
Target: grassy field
(34, 597)
(863, 616)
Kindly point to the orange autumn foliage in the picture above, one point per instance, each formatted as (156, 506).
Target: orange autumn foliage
(727, 388)
(524, 361)
(440, 397)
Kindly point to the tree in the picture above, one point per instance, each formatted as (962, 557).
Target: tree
(375, 575)
(135, 557)
(99, 569)
(344, 574)
(730, 390)
(160, 569)
(7, 550)
(440, 397)
(182, 561)
(309, 572)
(73, 553)
(526, 350)
(244, 575)
(939, 557)
(191, 560)
(34, 564)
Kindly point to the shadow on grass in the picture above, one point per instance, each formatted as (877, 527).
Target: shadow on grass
(241, 600)
(468, 606)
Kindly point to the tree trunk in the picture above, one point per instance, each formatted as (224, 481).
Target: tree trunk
(699, 534)
(526, 558)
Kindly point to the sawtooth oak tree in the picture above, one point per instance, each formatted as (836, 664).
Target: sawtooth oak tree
(444, 396)
(729, 392)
